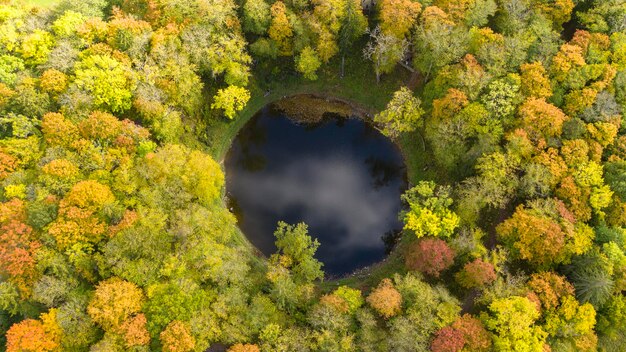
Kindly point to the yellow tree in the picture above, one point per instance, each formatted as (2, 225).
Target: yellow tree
(240, 347)
(307, 63)
(558, 11)
(79, 220)
(57, 130)
(568, 58)
(385, 299)
(456, 9)
(429, 211)
(177, 337)
(535, 81)
(115, 301)
(397, 17)
(541, 119)
(280, 29)
(231, 99)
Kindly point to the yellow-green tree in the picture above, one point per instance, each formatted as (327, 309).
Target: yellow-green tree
(402, 114)
(110, 82)
(513, 323)
(307, 63)
(231, 99)
(429, 211)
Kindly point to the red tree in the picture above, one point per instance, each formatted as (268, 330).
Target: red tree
(430, 256)
(476, 274)
(17, 246)
(448, 339)
(477, 338)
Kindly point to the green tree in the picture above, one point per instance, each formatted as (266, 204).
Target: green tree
(479, 12)
(256, 16)
(351, 296)
(177, 174)
(9, 68)
(384, 51)
(353, 26)
(68, 24)
(296, 251)
(591, 275)
(402, 114)
(438, 42)
(615, 176)
(605, 16)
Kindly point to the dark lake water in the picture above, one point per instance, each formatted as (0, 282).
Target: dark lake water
(341, 177)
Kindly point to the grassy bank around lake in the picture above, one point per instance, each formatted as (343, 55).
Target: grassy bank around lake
(358, 88)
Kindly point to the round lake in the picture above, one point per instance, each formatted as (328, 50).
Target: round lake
(339, 176)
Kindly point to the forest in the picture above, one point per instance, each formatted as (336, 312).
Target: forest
(115, 118)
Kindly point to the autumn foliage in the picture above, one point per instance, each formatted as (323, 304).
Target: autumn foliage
(244, 348)
(116, 117)
(385, 299)
(477, 273)
(134, 331)
(544, 233)
(177, 338)
(535, 81)
(467, 333)
(114, 302)
(18, 246)
(8, 164)
(550, 288)
(477, 338)
(31, 335)
(430, 256)
(398, 16)
(448, 339)
(541, 119)
(80, 221)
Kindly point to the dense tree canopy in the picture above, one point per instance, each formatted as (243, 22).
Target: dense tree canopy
(114, 230)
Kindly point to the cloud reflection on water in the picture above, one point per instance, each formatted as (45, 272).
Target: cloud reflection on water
(332, 191)
(342, 181)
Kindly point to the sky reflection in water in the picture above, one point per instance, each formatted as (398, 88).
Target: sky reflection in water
(341, 177)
